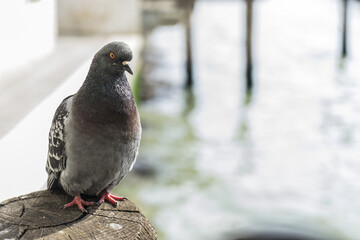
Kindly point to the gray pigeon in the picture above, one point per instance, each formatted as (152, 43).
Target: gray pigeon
(95, 133)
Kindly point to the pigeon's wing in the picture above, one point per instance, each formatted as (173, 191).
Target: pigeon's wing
(56, 160)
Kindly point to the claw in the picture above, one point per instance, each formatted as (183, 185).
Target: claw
(105, 195)
(79, 202)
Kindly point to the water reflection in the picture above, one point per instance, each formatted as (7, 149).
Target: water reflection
(285, 161)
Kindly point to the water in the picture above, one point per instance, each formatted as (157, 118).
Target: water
(286, 161)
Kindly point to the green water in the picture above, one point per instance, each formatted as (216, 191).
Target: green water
(211, 166)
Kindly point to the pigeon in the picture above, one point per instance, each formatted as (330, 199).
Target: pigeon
(95, 133)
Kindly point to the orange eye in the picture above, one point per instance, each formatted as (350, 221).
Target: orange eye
(112, 55)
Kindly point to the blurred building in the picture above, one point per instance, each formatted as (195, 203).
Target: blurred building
(98, 16)
(29, 28)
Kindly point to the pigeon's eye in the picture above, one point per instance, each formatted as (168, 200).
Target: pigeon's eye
(112, 55)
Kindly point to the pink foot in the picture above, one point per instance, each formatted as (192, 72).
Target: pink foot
(79, 202)
(105, 195)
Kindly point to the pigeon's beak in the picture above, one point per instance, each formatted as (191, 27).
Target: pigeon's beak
(127, 67)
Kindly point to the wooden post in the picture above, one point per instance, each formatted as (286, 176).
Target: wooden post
(189, 6)
(38, 215)
(249, 64)
(344, 29)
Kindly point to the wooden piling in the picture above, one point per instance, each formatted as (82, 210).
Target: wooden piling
(189, 70)
(188, 6)
(344, 29)
(249, 63)
(38, 216)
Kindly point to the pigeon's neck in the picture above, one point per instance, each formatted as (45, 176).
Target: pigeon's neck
(106, 102)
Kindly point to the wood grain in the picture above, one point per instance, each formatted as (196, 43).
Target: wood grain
(38, 215)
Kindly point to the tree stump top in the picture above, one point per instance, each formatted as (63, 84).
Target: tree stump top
(38, 215)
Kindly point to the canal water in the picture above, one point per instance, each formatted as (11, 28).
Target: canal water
(216, 164)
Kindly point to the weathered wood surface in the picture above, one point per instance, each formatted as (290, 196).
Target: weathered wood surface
(38, 215)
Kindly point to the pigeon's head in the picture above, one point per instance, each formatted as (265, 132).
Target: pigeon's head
(114, 58)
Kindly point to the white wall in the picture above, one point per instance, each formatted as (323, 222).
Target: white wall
(27, 30)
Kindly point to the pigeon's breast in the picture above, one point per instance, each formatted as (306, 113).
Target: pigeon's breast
(99, 153)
